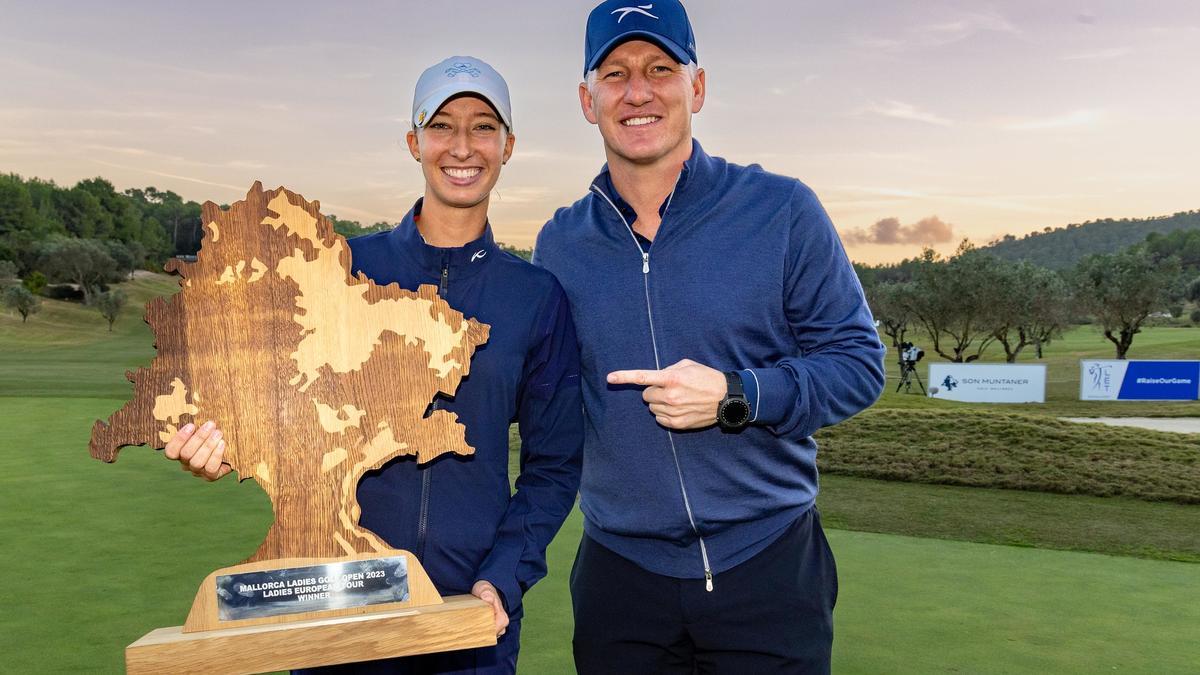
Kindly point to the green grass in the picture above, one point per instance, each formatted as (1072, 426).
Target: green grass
(989, 448)
(96, 555)
(104, 553)
(1119, 526)
(911, 605)
(99, 554)
(67, 351)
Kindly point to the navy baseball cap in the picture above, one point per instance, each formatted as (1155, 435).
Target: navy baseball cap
(663, 22)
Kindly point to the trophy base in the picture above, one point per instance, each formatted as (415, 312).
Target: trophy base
(460, 622)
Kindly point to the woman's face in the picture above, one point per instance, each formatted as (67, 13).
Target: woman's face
(461, 151)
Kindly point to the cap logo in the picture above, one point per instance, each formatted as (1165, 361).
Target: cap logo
(421, 118)
(462, 68)
(640, 9)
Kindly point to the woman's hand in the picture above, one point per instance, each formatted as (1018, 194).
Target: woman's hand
(200, 451)
(486, 592)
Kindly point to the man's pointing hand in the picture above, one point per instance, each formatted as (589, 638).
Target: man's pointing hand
(681, 396)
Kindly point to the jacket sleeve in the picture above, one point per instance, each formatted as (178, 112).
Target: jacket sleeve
(838, 370)
(550, 418)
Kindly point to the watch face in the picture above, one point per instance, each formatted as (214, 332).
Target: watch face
(735, 412)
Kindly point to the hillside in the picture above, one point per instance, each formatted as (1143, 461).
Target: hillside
(1063, 247)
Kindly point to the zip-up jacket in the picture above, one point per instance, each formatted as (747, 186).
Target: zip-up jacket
(746, 272)
(456, 513)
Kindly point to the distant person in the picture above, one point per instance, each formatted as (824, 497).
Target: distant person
(721, 325)
(455, 513)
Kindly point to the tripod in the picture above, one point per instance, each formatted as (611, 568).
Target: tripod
(908, 371)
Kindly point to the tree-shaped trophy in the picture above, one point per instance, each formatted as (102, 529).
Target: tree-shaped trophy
(316, 377)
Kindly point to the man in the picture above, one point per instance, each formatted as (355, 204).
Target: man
(720, 325)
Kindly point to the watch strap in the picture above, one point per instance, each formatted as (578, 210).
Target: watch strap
(735, 388)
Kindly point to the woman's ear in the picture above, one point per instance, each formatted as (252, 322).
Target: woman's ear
(508, 147)
(413, 147)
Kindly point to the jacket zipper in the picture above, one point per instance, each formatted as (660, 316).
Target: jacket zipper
(687, 504)
(427, 472)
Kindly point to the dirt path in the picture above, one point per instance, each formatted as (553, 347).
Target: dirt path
(1179, 425)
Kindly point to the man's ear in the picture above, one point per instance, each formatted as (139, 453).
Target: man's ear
(413, 148)
(585, 102)
(699, 88)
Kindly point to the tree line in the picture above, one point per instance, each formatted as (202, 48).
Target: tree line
(1061, 248)
(973, 299)
(90, 235)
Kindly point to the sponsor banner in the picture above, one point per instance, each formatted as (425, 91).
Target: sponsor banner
(1139, 380)
(988, 382)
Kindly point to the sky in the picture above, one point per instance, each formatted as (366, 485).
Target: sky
(916, 123)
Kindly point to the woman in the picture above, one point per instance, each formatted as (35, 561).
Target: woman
(455, 513)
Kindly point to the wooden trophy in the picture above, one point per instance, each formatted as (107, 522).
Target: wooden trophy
(316, 377)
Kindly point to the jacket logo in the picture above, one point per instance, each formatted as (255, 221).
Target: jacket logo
(478, 254)
(462, 68)
(640, 9)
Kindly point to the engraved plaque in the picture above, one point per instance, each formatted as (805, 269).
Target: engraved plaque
(293, 590)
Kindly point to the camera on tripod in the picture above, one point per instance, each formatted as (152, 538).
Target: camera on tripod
(909, 355)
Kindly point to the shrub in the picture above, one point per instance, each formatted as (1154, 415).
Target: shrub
(35, 282)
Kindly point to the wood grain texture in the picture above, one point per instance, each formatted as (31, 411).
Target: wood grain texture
(204, 613)
(315, 376)
(461, 622)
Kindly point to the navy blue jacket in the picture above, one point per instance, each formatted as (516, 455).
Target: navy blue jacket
(746, 272)
(456, 513)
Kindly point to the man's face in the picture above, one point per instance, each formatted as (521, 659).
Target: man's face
(461, 150)
(643, 101)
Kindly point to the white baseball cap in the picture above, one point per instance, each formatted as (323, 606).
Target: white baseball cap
(459, 75)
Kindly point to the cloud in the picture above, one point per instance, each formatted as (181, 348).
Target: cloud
(1100, 55)
(907, 111)
(245, 164)
(1078, 118)
(890, 232)
(164, 174)
(941, 33)
(1086, 18)
(966, 26)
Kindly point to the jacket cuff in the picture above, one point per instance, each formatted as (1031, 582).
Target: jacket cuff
(772, 394)
(510, 592)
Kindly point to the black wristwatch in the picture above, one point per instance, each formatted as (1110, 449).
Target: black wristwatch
(734, 410)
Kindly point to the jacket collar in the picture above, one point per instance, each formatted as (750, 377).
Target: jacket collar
(695, 181)
(462, 261)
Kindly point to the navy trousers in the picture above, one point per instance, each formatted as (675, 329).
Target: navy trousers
(771, 614)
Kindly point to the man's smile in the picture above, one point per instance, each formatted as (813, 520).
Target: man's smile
(640, 121)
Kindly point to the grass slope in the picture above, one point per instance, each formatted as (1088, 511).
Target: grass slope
(1119, 526)
(1017, 451)
(66, 349)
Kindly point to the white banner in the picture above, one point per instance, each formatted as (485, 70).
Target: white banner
(988, 382)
